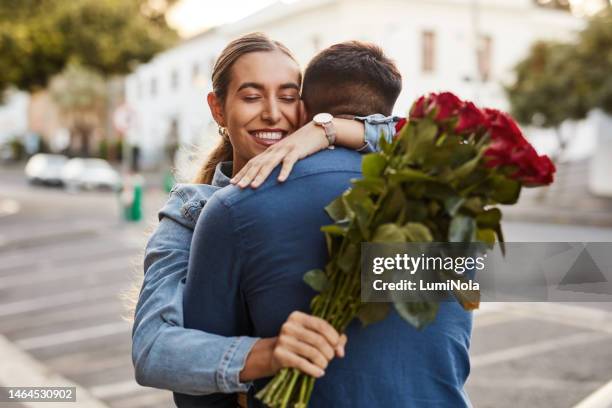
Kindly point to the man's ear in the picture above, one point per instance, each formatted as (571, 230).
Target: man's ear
(303, 114)
(216, 108)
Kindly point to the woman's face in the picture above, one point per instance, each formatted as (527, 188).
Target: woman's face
(262, 103)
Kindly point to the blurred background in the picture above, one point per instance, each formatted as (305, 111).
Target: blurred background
(102, 100)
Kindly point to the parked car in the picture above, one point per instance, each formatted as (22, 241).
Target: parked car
(82, 173)
(45, 168)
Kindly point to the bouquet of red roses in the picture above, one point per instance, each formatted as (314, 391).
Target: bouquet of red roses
(440, 179)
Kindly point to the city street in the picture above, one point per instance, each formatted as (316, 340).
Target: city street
(66, 259)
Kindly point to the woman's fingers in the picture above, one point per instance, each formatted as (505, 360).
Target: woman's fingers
(265, 168)
(288, 359)
(288, 163)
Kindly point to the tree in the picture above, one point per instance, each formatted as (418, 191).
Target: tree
(594, 51)
(560, 81)
(38, 38)
(80, 95)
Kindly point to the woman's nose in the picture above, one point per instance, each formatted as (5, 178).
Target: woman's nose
(271, 112)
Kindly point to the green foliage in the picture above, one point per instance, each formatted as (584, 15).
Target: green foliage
(38, 38)
(559, 81)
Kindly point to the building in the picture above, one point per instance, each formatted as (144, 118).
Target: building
(466, 46)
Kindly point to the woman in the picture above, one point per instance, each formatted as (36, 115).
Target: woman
(255, 102)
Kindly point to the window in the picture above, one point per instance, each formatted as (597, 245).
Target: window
(153, 87)
(174, 80)
(484, 55)
(428, 51)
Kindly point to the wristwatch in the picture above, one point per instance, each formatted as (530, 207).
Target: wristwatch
(325, 121)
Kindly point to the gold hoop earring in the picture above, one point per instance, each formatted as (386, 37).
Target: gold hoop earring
(223, 132)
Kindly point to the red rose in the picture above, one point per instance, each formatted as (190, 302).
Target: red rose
(509, 147)
(447, 104)
(470, 118)
(418, 108)
(400, 124)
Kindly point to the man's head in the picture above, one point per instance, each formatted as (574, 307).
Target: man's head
(351, 78)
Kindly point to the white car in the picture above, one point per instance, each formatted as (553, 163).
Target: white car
(81, 173)
(45, 168)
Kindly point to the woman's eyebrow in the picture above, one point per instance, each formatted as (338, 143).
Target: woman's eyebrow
(255, 85)
(290, 85)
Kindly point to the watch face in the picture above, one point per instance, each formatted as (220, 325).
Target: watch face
(321, 118)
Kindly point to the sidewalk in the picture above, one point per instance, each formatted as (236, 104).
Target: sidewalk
(19, 369)
(566, 201)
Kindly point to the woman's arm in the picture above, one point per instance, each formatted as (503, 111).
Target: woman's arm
(165, 354)
(361, 134)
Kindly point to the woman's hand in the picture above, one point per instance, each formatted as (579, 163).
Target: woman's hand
(305, 141)
(305, 342)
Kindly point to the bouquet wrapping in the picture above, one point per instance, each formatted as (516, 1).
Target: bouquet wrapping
(439, 180)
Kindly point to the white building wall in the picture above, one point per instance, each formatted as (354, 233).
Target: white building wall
(310, 25)
(14, 115)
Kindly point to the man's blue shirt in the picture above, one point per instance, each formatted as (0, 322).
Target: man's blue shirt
(250, 251)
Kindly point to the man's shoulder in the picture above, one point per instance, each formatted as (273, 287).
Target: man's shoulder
(319, 165)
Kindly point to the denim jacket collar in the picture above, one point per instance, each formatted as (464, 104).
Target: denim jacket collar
(222, 175)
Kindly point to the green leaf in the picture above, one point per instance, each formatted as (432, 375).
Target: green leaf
(389, 233)
(373, 184)
(417, 232)
(489, 218)
(348, 258)
(505, 190)
(486, 235)
(422, 141)
(373, 164)
(334, 229)
(316, 279)
(462, 229)
(408, 174)
(337, 209)
(418, 314)
(373, 312)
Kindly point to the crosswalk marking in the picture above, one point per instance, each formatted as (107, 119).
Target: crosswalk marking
(514, 353)
(61, 299)
(73, 336)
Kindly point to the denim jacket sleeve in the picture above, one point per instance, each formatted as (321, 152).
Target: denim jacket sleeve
(166, 354)
(377, 125)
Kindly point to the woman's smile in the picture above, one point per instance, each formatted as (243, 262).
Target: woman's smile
(267, 137)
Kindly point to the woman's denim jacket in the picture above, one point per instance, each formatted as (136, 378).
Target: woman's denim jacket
(165, 354)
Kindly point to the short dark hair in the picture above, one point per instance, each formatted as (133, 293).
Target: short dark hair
(351, 78)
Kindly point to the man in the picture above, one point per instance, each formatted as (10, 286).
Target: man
(251, 249)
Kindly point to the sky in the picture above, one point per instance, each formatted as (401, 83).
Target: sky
(190, 17)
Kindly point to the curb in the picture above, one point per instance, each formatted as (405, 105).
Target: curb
(19, 369)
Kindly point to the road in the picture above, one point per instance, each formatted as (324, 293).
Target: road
(66, 258)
